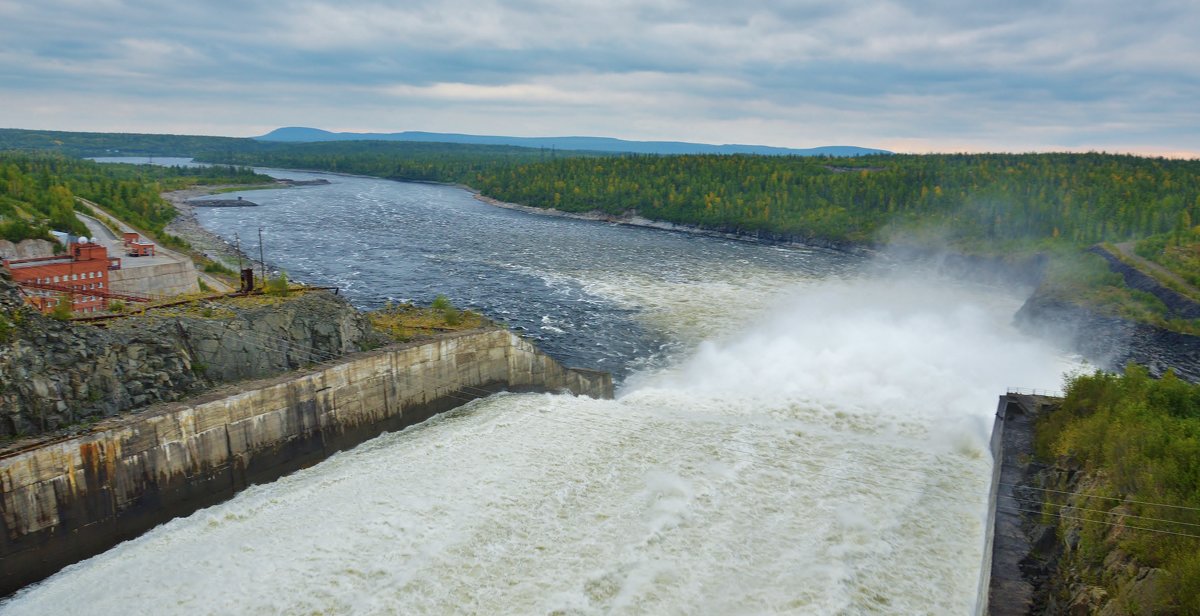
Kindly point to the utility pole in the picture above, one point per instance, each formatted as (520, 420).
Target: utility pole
(262, 260)
(237, 246)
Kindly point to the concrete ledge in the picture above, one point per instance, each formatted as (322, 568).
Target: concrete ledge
(67, 499)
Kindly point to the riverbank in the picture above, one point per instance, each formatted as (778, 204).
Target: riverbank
(639, 221)
(186, 226)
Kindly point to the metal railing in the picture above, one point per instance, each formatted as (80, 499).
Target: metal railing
(1025, 391)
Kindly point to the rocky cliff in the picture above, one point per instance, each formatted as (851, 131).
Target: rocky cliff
(27, 249)
(1107, 341)
(54, 374)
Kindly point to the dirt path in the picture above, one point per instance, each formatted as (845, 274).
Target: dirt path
(1155, 270)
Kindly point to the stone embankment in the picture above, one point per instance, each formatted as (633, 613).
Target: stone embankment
(54, 375)
(1015, 564)
(1107, 341)
(67, 498)
(1179, 305)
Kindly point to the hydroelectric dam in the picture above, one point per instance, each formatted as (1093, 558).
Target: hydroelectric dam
(794, 430)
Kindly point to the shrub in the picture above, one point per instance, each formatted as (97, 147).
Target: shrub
(278, 285)
(62, 310)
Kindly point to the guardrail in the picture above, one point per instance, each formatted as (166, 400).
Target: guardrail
(1025, 391)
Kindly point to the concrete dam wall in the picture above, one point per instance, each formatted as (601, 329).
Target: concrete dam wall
(67, 498)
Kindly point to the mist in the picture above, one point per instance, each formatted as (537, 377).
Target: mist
(826, 455)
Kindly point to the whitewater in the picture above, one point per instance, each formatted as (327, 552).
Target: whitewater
(807, 444)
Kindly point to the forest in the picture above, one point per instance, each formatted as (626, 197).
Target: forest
(37, 192)
(968, 199)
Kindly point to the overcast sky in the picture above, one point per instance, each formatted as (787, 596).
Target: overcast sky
(929, 75)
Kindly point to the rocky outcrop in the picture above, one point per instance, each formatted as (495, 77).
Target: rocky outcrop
(27, 249)
(55, 375)
(1118, 585)
(1110, 342)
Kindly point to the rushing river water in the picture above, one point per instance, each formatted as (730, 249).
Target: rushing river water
(796, 433)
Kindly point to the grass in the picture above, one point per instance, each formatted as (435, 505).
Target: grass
(405, 322)
(1084, 278)
(1179, 254)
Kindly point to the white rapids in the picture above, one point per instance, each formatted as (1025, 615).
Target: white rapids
(830, 458)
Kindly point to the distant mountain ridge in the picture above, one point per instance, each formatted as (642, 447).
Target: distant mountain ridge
(302, 134)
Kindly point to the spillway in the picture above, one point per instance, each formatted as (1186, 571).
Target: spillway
(796, 433)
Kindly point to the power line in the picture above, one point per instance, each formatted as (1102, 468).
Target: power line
(1067, 517)
(1107, 498)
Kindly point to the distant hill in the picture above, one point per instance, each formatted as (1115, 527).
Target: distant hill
(300, 134)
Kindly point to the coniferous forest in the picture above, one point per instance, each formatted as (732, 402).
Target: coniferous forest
(1072, 198)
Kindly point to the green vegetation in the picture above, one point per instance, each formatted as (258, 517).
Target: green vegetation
(1178, 251)
(1139, 438)
(114, 144)
(62, 309)
(1076, 199)
(424, 162)
(277, 285)
(405, 322)
(38, 191)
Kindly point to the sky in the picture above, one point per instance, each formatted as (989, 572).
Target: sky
(919, 76)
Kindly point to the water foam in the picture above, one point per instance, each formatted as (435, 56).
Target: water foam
(830, 459)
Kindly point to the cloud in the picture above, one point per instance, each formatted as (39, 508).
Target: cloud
(1021, 75)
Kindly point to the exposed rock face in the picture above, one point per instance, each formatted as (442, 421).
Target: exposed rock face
(1117, 586)
(26, 249)
(54, 374)
(1110, 342)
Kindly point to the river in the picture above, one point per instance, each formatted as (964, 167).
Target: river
(796, 431)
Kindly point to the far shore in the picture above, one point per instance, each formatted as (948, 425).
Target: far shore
(639, 221)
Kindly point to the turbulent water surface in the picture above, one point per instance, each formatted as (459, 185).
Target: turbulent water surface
(796, 433)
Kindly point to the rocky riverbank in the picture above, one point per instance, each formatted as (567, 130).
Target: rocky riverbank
(1108, 341)
(202, 240)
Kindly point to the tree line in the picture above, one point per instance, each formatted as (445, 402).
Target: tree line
(1070, 198)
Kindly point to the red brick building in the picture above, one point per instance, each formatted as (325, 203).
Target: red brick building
(81, 275)
(135, 247)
